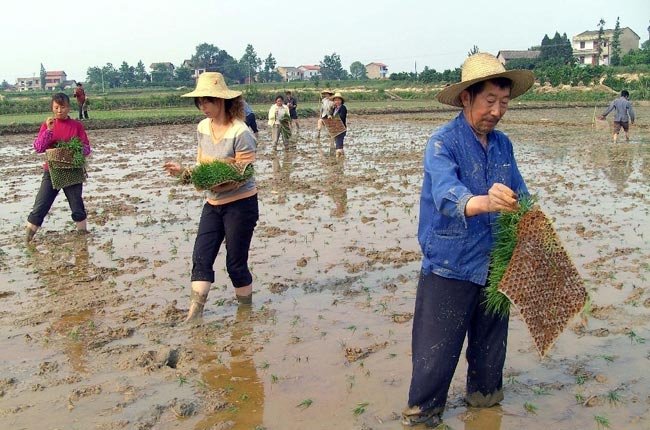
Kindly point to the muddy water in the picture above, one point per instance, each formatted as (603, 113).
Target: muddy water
(89, 324)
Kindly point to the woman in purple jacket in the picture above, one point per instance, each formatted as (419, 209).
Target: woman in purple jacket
(59, 128)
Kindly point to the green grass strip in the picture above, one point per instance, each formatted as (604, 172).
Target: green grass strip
(505, 241)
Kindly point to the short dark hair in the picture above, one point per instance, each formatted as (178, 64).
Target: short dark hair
(79, 84)
(61, 98)
(625, 93)
(234, 107)
(287, 92)
(279, 96)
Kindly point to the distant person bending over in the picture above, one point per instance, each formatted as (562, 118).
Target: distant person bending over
(277, 114)
(251, 120)
(60, 128)
(80, 95)
(292, 104)
(340, 111)
(230, 212)
(326, 108)
(470, 175)
(624, 114)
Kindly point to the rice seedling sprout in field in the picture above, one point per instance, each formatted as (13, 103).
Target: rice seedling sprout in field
(360, 408)
(601, 421)
(530, 408)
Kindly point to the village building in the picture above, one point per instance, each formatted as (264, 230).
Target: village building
(509, 55)
(586, 45)
(376, 71)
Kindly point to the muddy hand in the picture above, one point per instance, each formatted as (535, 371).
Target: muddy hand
(50, 123)
(502, 198)
(174, 169)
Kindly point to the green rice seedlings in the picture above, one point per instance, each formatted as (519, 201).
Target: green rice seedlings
(530, 408)
(206, 175)
(305, 404)
(505, 241)
(76, 146)
(613, 397)
(601, 421)
(360, 408)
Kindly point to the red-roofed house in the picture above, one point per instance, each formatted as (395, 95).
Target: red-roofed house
(309, 71)
(376, 71)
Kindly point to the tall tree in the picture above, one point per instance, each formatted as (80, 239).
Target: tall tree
(183, 74)
(126, 74)
(211, 58)
(162, 72)
(600, 40)
(358, 71)
(269, 74)
(331, 68)
(250, 62)
(556, 51)
(615, 59)
(140, 73)
(43, 76)
(111, 76)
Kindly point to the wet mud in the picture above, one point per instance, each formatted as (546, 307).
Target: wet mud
(90, 324)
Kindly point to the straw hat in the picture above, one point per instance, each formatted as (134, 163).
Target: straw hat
(212, 84)
(338, 96)
(482, 67)
(326, 92)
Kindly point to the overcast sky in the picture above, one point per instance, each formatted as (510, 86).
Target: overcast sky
(74, 36)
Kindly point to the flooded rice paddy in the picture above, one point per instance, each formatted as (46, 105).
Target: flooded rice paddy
(89, 325)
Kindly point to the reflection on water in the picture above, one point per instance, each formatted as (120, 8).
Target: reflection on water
(335, 183)
(60, 267)
(483, 419)
(282, 168)
(236, 379)
(620, 165)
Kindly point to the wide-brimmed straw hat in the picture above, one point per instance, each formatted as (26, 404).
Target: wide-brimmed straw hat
(482, 67)
(326, 92)
(338, 96)
(212, 84)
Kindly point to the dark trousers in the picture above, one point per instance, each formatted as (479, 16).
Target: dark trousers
(233, 222)
(83, 110)
(251, 121)
(338, 140)
(446, 310)
(46, 196)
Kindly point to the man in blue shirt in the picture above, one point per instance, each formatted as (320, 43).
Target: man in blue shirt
(624, 114)
(470, 175)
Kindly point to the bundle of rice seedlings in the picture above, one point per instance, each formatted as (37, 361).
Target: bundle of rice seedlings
(74, 145)
(505, 241)
(285, 126)
(204, 176)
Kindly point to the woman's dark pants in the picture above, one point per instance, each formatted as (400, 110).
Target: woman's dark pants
(235, 223)
(446, 310)
(45, 199)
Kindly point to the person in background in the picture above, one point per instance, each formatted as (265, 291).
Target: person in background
(340, 111)
(230, 212)
(80, 94)
(277, 116)
(326, 108)
(59, 128)
(251, 120)
(624, 115)
(470, 175)
(292, 104)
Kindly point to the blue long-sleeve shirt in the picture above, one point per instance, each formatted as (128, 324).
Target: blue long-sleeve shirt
(456, 168)
(624, 111)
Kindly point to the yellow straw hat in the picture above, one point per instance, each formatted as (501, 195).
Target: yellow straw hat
(326, 92)
(482, 67)
(212, 84)
(338, 96)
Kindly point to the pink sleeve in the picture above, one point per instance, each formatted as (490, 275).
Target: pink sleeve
(43, 140)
